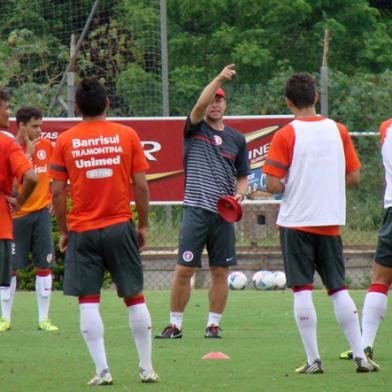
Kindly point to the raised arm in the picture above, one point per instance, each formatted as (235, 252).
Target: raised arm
(209, 91)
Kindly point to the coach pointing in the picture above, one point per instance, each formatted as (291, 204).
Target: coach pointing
(216, 164)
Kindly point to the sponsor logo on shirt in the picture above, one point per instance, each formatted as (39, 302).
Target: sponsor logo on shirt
(41, 154)
(99, 173)
(218, 140)
(90, 149)
(40, 169)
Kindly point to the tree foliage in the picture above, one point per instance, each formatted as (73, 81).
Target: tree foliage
(266, 39)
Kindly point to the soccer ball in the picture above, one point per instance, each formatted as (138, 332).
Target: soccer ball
(280, 280)
(263, 280)
(237, 280)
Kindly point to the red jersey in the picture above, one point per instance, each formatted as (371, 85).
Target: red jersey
(98, 158)
(40, 198)
(13, 163)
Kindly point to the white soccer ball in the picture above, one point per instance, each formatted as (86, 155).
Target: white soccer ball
(280, 280)
(263, 280)
(237, 280)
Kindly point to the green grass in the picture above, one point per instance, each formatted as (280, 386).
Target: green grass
(259, 335)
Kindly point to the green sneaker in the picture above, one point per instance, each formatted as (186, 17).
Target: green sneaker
(46, 325)
(349, 354)
(4, 325)
(315, 368)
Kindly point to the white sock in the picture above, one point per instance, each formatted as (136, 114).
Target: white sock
(91, 327)
(347, 316)
(43, 289)
(306, 319)
(214, 318)
(176, 319)
(7, 298)
(140, 324)
(374, 309)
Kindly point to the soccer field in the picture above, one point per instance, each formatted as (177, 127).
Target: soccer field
(259, 335)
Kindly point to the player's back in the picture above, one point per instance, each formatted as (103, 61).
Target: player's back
(98, 158)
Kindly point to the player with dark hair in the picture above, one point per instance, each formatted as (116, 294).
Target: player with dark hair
(13, 164)
(310, 161)
(32, 224)
(216, 164)
(101, 160)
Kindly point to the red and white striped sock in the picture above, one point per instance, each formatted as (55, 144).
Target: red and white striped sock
(306, 319)
(347, 316)
(374, 308)
(140, 324)
(43, 289)
(7, 298)
(92, 330)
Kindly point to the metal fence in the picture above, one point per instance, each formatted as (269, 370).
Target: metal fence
(257, 228)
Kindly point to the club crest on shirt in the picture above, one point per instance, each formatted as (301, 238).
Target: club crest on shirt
(41, 154)
(218, 140)
(187, 256)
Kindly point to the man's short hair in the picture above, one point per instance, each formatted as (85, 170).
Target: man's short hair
(91, 97)
(27, 113)
(3, 96)
(301, 90)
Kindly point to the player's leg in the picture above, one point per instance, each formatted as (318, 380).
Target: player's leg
(20, 248)
(7, 295)
(221, 254)
(5, 279)
(375, 305)
(122, 259)
(376, 300)
(330, 265)
(193, 234)
(83, 277)
(43, 258)
(298, 250)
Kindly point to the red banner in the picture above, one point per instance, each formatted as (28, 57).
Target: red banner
(162, 142)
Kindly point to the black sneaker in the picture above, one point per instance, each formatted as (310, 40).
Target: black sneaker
(366, 365)
(170, 332)
(212, 332)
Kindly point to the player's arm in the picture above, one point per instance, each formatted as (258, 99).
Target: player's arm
(352, 161)
(29, 182)
(353, 178)
(22, 170)
(59, 201)
(274, 185)
(208, 93)
(241, 188)
(140, 191)
(279, 159)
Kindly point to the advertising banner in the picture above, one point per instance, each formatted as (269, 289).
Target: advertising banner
(162, 143)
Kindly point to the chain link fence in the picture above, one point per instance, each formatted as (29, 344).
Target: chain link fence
(257, 234)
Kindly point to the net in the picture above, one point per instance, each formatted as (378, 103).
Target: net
(122, 48)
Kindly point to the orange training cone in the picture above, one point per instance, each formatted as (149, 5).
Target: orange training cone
(215, 355)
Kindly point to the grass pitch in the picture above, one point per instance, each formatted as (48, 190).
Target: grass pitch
(259, 334)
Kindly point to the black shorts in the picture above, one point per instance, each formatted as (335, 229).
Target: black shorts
(200, 228)
(384, 245)
(90, 253)
(33, 233)
(5, 262)
(304, 253)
